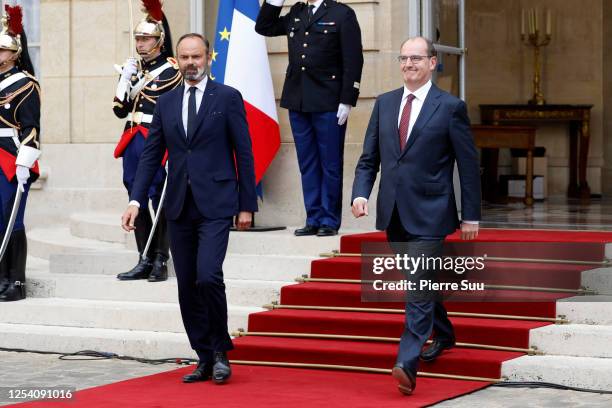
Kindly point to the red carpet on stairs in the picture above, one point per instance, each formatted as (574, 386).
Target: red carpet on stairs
(465, 361)
(269, 337)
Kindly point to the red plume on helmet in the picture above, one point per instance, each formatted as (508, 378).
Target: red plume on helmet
(154, 9)
(15, 19)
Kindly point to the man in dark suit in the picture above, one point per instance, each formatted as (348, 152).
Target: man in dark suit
(321, 85)
(415, 135)
(202, 124)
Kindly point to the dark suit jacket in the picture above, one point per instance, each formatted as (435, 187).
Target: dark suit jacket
(419, 179)
(325, 54)
(205, 163)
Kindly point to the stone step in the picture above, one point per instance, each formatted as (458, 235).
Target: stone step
(281, 243)
(99, 226)
(110, 262)
(62, 339)
(52, 206)
(599, 280)
(104, 314)
(104, 287)
(582, 372)
(42, 242)
(586, 309)
(578, 340)
(105, 227)
(236, 266)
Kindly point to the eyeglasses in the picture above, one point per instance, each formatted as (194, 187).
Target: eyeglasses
(415, 59)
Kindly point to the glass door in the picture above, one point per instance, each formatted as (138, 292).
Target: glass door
(444, 22)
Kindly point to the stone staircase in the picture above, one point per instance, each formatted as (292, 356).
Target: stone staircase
(577, 354)
(76, 303)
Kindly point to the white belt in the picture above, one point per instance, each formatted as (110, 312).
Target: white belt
(12, 133)
(8, 132)
(139, 117)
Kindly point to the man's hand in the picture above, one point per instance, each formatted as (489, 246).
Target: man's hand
(343, 113)
(128, 218)
(23, 174)
(360, 207)
(469, 231)
(244, 220)
(129, 68)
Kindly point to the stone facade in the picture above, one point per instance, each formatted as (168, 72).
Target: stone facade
(82, 39)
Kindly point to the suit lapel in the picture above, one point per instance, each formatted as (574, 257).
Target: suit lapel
(430, 105)
(207, 101)
(179, 110)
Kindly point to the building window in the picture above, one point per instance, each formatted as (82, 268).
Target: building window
(31, 23)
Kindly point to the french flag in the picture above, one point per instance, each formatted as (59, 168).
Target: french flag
(240, 60)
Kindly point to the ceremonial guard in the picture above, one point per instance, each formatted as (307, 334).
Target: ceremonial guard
(143, 80)
(19, 149)
(321, 84)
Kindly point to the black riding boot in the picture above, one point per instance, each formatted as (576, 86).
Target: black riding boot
(4, 278)
(160, 246)
(16, 254)
(142, 270)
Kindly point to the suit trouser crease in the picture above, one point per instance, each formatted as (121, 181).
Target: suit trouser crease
(198, 246)
(422, 317)
(319, 143)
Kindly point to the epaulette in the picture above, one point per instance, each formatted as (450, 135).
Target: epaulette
(32, 77)
(173, 62)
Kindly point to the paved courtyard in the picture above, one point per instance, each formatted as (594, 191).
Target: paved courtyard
(37, 370)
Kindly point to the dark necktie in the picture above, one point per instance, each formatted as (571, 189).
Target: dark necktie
(310, 12)
(191, 113)
(405, 121)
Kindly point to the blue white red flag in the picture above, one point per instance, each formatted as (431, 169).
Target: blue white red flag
(240, 60)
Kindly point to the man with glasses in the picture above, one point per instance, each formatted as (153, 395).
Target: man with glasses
(415, 135)
(321, 85)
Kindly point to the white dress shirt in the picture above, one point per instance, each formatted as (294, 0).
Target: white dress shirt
(200, 87)
(417, 103)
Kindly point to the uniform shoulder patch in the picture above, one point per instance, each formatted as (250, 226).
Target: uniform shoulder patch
(173, 62)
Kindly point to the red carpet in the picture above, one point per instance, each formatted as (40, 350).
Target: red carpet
(265, 387)
(282, 387)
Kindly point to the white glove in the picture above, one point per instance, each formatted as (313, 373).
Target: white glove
(277, 3)
(343, 113)
(130, 68)
(22, 174)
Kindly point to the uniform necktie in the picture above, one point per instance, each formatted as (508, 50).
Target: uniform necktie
(405, 121)
(191, 112)
(310, 12)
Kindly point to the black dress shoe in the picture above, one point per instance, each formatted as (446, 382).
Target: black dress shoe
(203, 372)
(436, 348)
(159, 272)
(326, 231)
(307, 230)
(13, 292)
(221, 371)
(4, 283)
(141, 271)
(406, 382)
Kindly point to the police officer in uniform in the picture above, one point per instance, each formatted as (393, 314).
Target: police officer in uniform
(19, 135)
(321, 85)
(142, 81)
